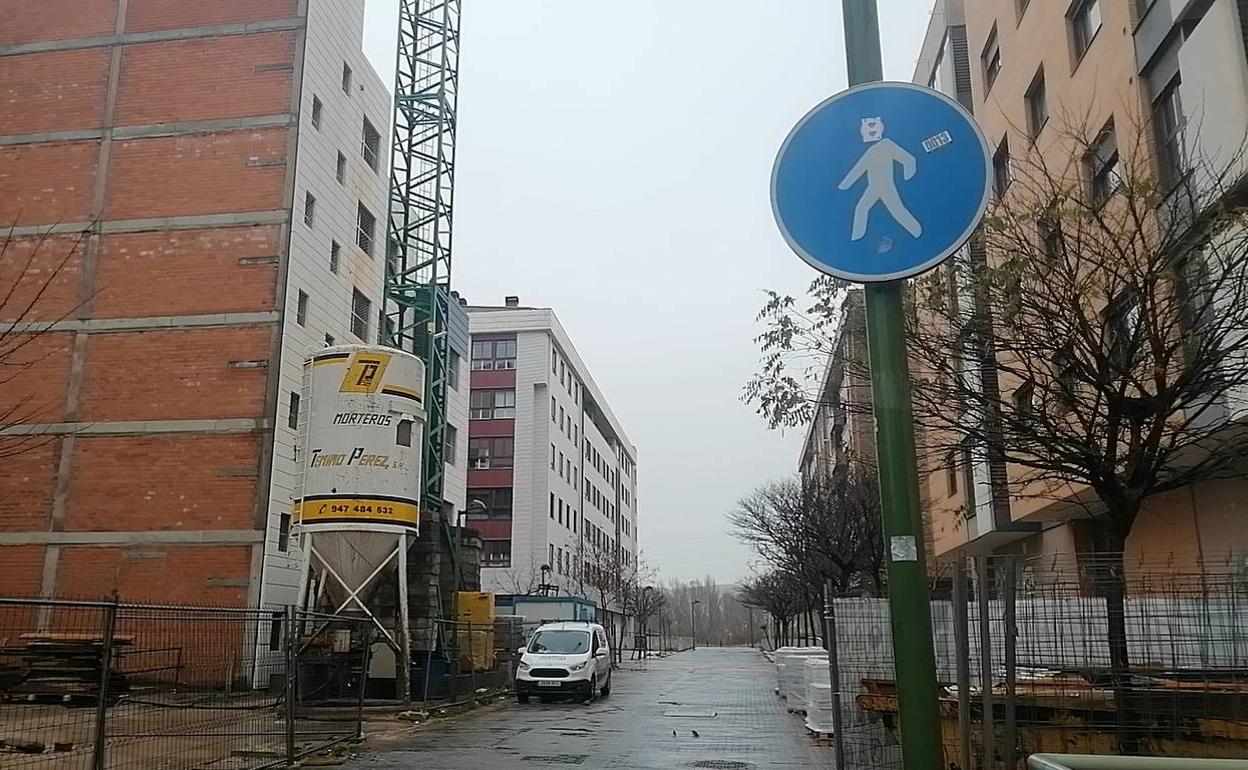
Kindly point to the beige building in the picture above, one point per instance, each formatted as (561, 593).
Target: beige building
(1168, 78)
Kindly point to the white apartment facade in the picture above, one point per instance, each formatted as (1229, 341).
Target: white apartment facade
(336, 270)
(547, 458)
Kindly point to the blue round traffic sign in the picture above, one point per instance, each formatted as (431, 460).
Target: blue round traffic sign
(881, 182)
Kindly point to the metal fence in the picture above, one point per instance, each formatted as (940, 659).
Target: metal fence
(113, 685)
(1023, 658)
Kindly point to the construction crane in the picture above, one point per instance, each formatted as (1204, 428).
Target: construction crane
(422, 195)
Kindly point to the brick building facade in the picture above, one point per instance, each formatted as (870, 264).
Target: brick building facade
(182, 154)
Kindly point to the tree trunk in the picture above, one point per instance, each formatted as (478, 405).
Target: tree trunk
(1111, 584)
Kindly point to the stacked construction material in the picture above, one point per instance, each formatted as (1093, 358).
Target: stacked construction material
(59, 667)
(818, 698)
(814, 671)
(790, 675)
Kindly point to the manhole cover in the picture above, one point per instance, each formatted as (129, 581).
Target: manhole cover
(721, 764)
(557, 759)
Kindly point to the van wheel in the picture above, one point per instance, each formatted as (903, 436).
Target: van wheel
(606, 688)
(521, 698)
(593, 690)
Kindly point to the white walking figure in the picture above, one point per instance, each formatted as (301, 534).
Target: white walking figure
(877, 164)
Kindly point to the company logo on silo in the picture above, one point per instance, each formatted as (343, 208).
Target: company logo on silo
(364, 374)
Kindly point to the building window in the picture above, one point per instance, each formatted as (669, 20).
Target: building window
(370, 145)
(317, 109)
(487, 453)
(340, 172)
(403, 433)
(991, 59)
(452, 370)
(1085, 22)
(497, 502)
(560, 509)
(1037, 104)
(335, 256)
(301, 308)
(309, 209)
(553, 409)
(450, 439)
(1101, 161)
(554, 361)
(490, 355)
(552, 457)
(329, 340)
(552, 506)
(1168, 126)
(366, 229)
(347, 76)
(562, 465)
(292, 414)
(493, 404)
(496, 553)
(361, 314)
(283, 532)
(1001, 168)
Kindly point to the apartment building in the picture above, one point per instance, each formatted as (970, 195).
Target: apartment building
(552, 476)
(841, 432)
(217, 172)
(1162, 77)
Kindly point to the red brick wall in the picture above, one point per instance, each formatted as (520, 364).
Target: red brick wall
(147, 15)
(54, 91)
(44, 184)
(23, 570)
(203, 174)
(206, 79)
(26, 487)
(45, 276)
(162, 574)
(23, 21)
(172, 482)
(160, 481)
(175, 375)
(153, 274)
(34, 379)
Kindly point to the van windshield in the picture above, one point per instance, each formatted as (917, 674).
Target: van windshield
(560, 642)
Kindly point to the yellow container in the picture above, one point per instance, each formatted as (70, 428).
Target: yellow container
(475, 613)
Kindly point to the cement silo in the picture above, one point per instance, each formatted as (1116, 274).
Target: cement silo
(359, 496)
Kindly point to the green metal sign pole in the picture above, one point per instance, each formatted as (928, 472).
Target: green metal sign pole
(899, 478)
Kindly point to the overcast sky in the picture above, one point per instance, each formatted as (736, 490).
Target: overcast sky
(614, 160)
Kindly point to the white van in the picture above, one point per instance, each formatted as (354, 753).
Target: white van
(567, 658)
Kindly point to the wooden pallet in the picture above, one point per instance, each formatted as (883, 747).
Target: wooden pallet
(820, 738)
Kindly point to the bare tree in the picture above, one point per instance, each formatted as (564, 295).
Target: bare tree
(32, 270)
(779, 594)
(819, 530)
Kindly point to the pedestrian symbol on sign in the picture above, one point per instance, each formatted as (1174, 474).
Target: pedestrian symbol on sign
(877, 165)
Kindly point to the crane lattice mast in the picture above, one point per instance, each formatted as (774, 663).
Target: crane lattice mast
(422, 188)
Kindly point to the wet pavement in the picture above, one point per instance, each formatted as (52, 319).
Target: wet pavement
(726, 695)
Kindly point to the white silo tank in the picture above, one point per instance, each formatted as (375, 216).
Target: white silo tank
(359, 496)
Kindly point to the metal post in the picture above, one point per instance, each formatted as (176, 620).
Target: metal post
(366, 659)
(962, 643)
(403, 675)
(106, 665)
(292, 683)
(909, 605)
(985, 662)
(1010, 621)
(834, 674)
(751, 611)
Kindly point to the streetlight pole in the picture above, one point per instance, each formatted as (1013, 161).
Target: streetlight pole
(693, 618)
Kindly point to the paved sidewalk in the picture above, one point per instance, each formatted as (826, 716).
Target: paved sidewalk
(726, 695)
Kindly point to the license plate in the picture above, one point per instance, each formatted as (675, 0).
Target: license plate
(547, 684)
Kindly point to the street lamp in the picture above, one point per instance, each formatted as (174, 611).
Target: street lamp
(693, 616)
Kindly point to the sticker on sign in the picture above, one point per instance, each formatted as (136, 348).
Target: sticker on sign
(936, 142)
